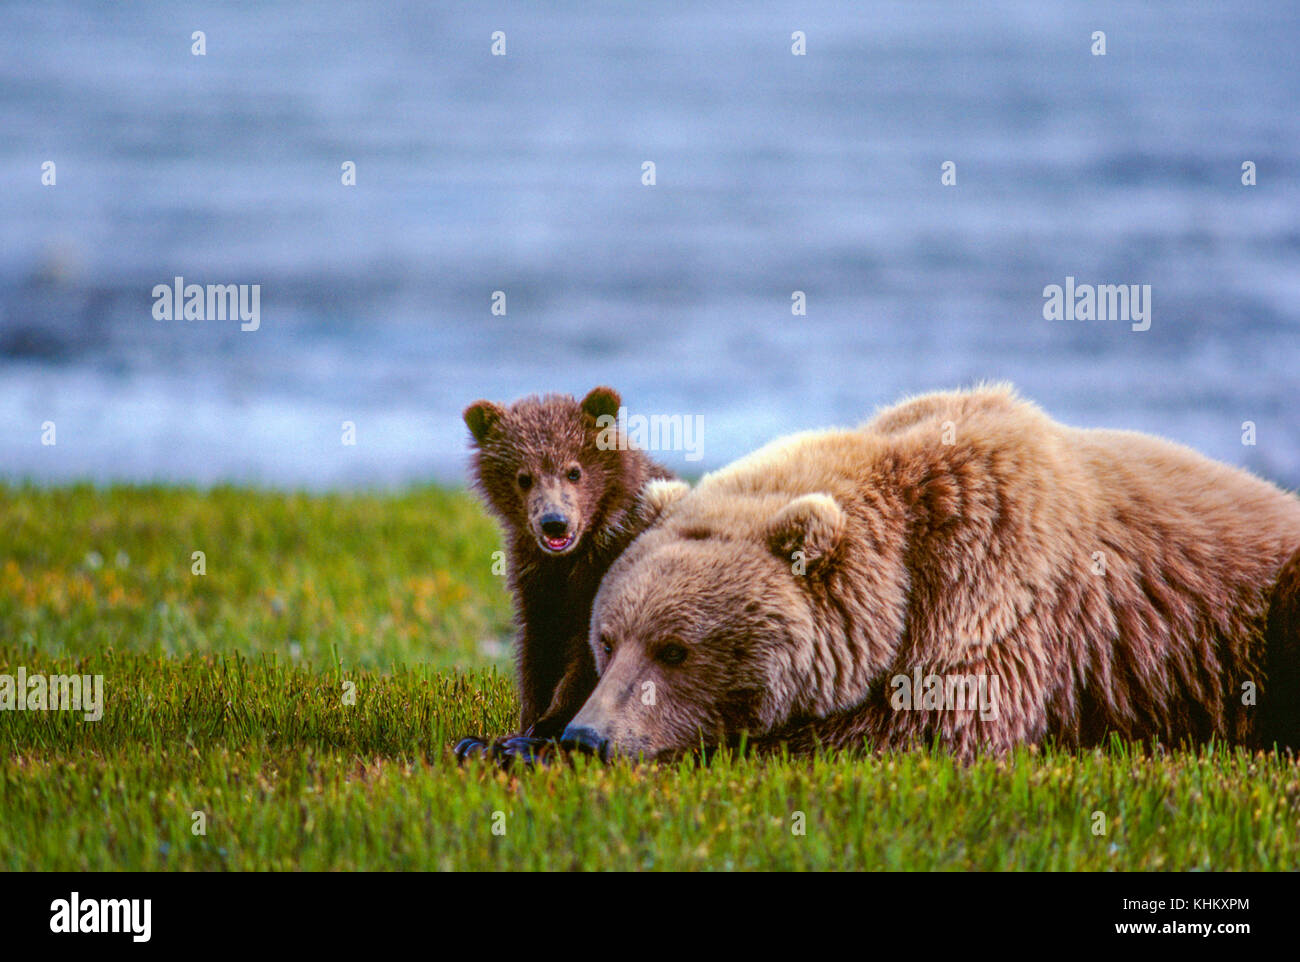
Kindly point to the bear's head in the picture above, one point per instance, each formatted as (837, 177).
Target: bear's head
(547, 467)
(716, 621)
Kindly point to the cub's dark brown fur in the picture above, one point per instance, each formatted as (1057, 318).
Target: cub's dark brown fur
(568, 509)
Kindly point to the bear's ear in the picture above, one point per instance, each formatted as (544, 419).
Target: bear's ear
(658, 496)
(807, 530)
(602, 401)
(480, 418)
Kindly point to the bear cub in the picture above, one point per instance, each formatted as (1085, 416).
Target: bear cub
(565, 488)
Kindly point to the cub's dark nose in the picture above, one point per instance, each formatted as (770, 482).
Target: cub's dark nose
(554, 525)
(586, 741)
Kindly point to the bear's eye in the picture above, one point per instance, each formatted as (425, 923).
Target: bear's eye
(672, 654)
(575, 474)
(605, 646)
(525, 480)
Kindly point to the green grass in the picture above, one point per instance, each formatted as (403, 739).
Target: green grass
(225, 695)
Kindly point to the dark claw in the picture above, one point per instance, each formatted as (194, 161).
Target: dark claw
(471, 747)
(505, 751)
(521, 748)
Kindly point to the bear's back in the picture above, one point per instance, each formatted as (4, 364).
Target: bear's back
(990, 459)
(901, 445)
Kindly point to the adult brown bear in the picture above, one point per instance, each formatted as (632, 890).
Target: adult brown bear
(961, 568)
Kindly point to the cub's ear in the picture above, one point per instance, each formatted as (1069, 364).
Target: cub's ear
(480, 418)
(658, 496)
(602, 401)
(812, 525)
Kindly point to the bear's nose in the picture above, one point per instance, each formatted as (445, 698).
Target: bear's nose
(585, 740)
(554, 524)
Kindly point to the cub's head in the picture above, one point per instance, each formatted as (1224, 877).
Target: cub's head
(544, 468)
(712, 624)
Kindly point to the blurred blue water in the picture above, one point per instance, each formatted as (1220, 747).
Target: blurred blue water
(522, 173)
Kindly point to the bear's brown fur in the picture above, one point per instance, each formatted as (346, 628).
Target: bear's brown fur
(543, 461)
(1280, 716)
(1098, 581)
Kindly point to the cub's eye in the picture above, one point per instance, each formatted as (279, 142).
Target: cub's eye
(575, 473)
(605, 646)
(525, 480)
(672, 654)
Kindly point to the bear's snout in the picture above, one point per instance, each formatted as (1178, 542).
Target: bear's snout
(585, 740)
(555, 532)
(555, 524)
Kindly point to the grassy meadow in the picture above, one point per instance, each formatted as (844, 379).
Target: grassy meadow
(292, 706)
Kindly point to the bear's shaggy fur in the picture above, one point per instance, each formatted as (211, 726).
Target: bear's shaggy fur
(542, 472)
(1098, 581)
(1280, 716)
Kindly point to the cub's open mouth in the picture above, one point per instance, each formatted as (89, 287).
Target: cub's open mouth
(559, 544)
